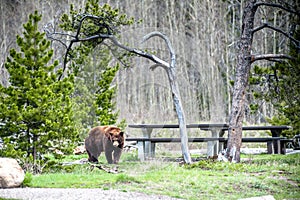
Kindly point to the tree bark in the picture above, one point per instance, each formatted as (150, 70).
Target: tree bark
(241, 83)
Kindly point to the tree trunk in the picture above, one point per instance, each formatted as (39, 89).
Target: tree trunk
(180, 114)
(241, 83)
(34, 146)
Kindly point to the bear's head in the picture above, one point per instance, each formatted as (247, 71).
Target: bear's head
(115, 135)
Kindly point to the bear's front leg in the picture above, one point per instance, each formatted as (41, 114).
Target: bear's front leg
(117, 155)
(92, 158)
(108, 155)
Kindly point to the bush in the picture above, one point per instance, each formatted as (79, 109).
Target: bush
(27, 180)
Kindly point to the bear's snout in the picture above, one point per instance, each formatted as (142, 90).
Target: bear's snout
(115, 143)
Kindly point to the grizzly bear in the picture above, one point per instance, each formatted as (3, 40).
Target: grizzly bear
(107, 139)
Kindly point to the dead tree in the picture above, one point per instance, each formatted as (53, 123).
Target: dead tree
(170, 67)
(244, 61)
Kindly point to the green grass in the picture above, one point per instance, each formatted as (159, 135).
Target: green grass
(257, 175)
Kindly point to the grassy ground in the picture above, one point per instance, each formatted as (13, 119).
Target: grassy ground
(257, 175)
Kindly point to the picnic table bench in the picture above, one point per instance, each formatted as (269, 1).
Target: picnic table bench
(215, 143)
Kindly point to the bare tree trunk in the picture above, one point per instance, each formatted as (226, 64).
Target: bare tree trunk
(241, 83)
(171, 71)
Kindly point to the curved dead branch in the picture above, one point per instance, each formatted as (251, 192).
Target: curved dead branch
(166, 39)
(138, 52)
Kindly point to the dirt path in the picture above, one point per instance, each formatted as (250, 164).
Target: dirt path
(73, 194)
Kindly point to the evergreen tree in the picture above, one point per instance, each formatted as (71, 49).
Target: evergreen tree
(36, 109)
(282, 88)
(94, 74)
(104, 104)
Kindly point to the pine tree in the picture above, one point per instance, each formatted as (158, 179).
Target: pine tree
(104, 104)
(36, 109)
(282, 88)
(93, 64)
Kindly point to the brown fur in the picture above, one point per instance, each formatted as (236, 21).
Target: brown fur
(108, 139)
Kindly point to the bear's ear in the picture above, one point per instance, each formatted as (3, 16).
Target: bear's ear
(122, 134)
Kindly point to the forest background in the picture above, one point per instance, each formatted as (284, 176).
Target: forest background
(204, 35)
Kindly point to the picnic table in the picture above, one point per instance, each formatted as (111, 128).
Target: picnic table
(215, 143)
